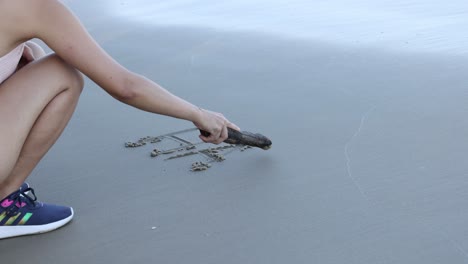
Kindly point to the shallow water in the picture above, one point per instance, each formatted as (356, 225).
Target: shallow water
(415, 25)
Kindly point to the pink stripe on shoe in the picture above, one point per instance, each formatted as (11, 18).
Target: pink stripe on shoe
(6, 203)
(23, 204)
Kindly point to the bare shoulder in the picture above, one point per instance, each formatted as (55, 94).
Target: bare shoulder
(25, 6)
(16, 18)
(11, 28)
(11, 11)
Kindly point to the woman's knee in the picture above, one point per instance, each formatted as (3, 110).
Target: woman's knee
(71, 77)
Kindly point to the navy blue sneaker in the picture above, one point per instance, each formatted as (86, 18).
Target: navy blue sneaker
(21, 214)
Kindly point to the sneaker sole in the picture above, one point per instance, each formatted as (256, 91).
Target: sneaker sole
(15, 231)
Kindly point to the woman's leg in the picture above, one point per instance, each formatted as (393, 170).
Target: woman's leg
(35, 106)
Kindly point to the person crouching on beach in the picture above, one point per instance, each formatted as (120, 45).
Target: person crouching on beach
(39, 93)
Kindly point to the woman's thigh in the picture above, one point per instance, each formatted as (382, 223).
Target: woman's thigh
(22, 99)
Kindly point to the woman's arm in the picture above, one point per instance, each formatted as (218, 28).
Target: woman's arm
(53, 23)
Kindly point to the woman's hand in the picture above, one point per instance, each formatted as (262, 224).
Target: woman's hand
(215, 124)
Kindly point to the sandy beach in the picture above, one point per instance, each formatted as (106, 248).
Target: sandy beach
(367, 165)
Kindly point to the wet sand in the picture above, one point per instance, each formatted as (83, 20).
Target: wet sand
(367, 165)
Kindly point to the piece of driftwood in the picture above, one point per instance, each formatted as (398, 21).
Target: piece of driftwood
(245, 138)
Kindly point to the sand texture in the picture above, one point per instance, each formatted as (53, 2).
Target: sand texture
(369, 157)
